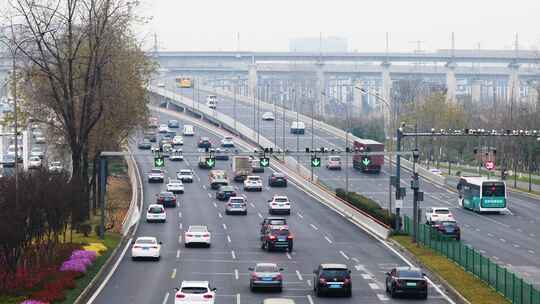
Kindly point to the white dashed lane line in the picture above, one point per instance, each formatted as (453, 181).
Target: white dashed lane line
(219, 215)
(166, 298)
(328, 239)
(236, 274)
(299, 276)
(314, 227)
(300, 215)
(228, 239)
(259, 214)
(173, 274)
(374, 286)
(224, 226)
(180, 239)
(233, 255)
(344, 255)
(289, 256)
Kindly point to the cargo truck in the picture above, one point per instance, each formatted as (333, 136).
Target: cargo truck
(241, 167)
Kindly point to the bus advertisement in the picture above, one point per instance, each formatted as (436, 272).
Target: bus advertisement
(482, 195)
(368, 163)
(184, 82)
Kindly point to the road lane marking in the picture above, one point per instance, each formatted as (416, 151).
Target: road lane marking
(166, 298)
(299, 275)
(373, 286)
(178, 253)
(180, 226)
(259, 214)
(209, 195)
(344, 255)
(252, 205)
(224, 226)
(236, 274)
(366, 276)
(356, 260)
(289, 256)
(328, 239)
(233, 254)
(308, 283)
(310, 300)
(228, 238)
(382, 297)
(300, 215)
(314, 227)
(173, 275)
(531, 251)
(516, 246)
(237, 298)
(219, 215)
(204, 187)
(180, 239)
(180, 214)
(490, 235)
(215, 205)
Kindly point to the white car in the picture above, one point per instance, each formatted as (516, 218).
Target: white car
(154, 149)
(185, 175)
(163, 128)
(197, 235)
(279, 204)
(176, 155)
(188, 130)
(36, 151)
(435, 171)
(56, 166)
(161, 85)
(253, 183)
(227, 142)
(34, 162)
(156, 213)
(195, 292)
(175, 186)
(437, 214)
(156, 175)
(268, 116)
(178, 140)
(146, 247)
(333, 162)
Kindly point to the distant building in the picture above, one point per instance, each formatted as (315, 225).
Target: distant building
(315, 44)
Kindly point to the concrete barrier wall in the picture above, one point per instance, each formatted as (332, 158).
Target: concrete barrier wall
(134, 212)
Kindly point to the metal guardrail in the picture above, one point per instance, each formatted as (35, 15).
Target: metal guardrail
(300, 174)
(134, 213)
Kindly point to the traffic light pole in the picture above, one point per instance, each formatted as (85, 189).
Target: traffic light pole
(398, 178)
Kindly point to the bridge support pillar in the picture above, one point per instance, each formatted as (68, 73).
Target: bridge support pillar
(513, 93)
(476, 91)
(387, 96)
(451, 85)
(533, 93)
(320, 90)
(252, 80)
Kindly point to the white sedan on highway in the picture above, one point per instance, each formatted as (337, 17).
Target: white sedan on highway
(178, 140)
(197, 235)
(268, 116)
(195, 292)
(438, 214)
(156, 213)
(34, 162)
(147, 247)
(175, 186)
(279, 204)
(253, 183)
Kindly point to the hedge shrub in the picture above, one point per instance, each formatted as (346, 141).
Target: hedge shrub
(367, 205)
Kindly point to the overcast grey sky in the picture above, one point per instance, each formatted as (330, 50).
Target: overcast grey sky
(268, 25)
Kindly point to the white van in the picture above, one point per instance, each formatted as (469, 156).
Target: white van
(211, 101)
(188, 130)
(298, 127)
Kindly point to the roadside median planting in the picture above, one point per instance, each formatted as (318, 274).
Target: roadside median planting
(367, 205)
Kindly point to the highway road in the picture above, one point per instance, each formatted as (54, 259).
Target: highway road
(509, 239)
(320, 236)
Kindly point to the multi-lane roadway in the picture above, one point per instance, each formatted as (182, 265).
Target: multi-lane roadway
(320, 236)
(509, 239)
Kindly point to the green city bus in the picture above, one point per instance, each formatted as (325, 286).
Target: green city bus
(482, 195)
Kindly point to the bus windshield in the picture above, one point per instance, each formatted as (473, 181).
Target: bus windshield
(493, 190)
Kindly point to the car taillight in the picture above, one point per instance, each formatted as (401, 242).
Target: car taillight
(189, 235)
(154, 247)
(279, 277)
(174, 199)
(287, 204)
(274, 204)
(229, 204)
(273, 178)
(347, 281)
(450, 215)
(136, 247)
(208, 296)
(254, 276)
(180, 295)
(434, 215)
(422, 283)
(206, 235)
(290, 236)
(322, 280)
(399, 282)
(272, 237)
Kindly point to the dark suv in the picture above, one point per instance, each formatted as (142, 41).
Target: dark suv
(406, 281)
(167, 199)
(272, 220)
(277, 237)
(277, 179)
(332, 279)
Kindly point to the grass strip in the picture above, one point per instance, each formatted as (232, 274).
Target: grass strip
(469, 286)
(111, 241)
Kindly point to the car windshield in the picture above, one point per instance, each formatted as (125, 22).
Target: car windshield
(198, 229)
(442, 211)
(34, 158)
(279, 175)
(280, 232)
(156, 171)
(410, 273)
(335, 158)
(493, 189)
(146, 241)
(448, 224)
(166, 194)
(194, 290)
(175, 181)
(277, 222)
(281, 199)
(266, 268)
(185, 172)
(155, 210)
(254, 178)
(227, 188)
(335, 272)
(237, 201)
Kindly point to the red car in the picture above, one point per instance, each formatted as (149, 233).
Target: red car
(167, 199)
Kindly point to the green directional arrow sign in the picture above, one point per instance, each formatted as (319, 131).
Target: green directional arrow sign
(315, 162)
(264, 162)
(366, 161)
(210, 162)
(159, 162)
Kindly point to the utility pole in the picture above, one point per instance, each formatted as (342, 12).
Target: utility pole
(234, 105)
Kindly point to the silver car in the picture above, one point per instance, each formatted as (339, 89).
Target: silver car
(236, 204)
(266, 275)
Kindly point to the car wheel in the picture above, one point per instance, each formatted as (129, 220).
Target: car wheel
(280, 289)
(318, 293)
(158, 258)
(393, 292)
(251, 287)
(263, 244)
(245, 212)
(186, 245)
(424, 296)
(348, 293)
(268, 246)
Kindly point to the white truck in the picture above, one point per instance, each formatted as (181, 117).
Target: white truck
(241, 167)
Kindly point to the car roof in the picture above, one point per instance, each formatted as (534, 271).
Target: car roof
(278, 301)
(155, 205)
(186, 170)
(279, 227)
(441, 208)
(174, 180)
(405, 268)
(197, 227)
(166, 192)
(266, 265)
(333, 266)
(281, 196)
(194, 284)
(275, 218)
(146, 238)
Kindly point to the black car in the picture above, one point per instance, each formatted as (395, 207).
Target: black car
(448, 228)
(277, 179)
(332, 279)
(145, 145)
(277, 237)
(167, 199)
(173, 123)
(406, 281)
(224, 192)
(204, 142)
